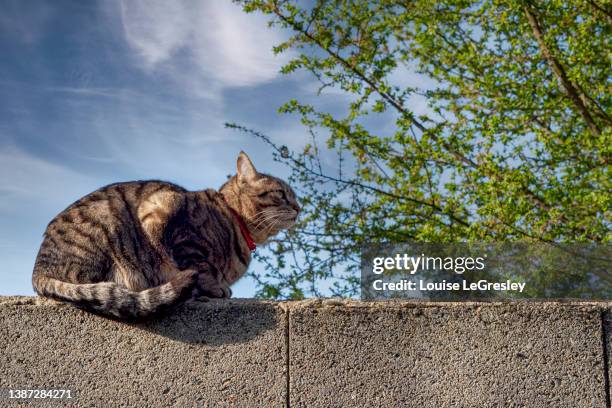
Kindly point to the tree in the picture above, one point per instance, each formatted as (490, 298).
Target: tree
(514, 144)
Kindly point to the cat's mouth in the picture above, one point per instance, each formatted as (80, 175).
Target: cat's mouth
(287, 222)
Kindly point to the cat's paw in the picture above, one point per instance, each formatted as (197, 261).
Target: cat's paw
(198, 297)
(209, 287)
(217, 292)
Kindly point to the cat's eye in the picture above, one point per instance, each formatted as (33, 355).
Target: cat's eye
(281, 192)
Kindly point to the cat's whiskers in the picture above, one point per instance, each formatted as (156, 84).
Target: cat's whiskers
(257, 214)
(274, 215)
(267, 216)
(270, 229)
(266, 222)
(276, 221)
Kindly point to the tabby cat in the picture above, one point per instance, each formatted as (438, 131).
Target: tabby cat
(132, 250)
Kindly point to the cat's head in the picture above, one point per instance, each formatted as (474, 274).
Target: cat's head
(266, 203)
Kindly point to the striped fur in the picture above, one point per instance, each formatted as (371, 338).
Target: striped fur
(133, 250)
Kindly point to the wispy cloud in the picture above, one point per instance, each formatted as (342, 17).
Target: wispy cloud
(204, 45)
(26, 178)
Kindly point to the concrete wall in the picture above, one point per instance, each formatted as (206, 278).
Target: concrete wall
(318, 353)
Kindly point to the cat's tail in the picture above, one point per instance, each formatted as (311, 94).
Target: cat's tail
(111, 299)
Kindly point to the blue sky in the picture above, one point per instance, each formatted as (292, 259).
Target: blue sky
(94, 93)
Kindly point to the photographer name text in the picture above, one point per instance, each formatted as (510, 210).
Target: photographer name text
(421, 285)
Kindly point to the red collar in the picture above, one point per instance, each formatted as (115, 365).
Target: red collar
(245, 231)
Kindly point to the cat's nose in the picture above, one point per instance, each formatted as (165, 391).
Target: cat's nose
(296, 208)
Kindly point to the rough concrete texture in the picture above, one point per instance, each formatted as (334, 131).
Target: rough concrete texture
(540, 354)
(206, 354)
(338, 354)
(607, 339)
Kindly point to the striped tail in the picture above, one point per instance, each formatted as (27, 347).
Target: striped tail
(111, 299)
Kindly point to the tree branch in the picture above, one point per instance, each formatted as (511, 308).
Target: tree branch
(559, 71)
(400, 108)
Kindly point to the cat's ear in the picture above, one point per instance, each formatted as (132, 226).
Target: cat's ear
(246, 170)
